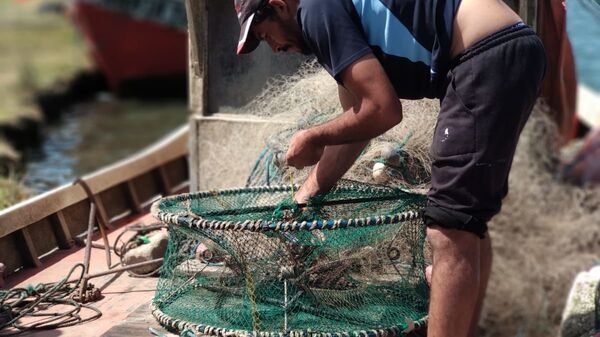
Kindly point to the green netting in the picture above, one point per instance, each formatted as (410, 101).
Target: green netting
(251, 262)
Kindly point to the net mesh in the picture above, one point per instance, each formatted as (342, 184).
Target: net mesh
(309, 98)
(251, 261)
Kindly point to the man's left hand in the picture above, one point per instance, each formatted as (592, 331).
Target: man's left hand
(304, 150)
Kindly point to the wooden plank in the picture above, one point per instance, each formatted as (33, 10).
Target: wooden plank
(528, 11)
(148, 186)
(76, 217)
(164, 180)
(9, 253)
(43, 237)
(197, 13)
(177, 171)
(61, 230)
(134, 199)
(2, 270)
(116, 201)
(137, 324)
(28, 249)
(37, 208)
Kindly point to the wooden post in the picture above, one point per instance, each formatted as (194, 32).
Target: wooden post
(198, 56)
(2, 269)
(528, 11)
(197, 14)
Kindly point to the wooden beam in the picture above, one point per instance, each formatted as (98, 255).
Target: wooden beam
(197, 14)
(61, 230)
(164, 180)
(30, 253)
(528, 11)
(2, 269)
(134, 198)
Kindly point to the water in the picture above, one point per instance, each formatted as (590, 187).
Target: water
(583, 27)
(97, 134)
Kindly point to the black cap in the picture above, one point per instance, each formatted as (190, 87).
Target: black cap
(246, 9)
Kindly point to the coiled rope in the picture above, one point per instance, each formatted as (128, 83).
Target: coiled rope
(36, 305)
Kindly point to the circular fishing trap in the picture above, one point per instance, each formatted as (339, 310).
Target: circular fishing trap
(249, 262)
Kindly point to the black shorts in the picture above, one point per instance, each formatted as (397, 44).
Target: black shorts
(489, 93)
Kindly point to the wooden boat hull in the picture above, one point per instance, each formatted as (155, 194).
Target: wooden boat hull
(126, 48)
(36, 228)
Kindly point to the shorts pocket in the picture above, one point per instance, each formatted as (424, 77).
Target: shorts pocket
(455, 129)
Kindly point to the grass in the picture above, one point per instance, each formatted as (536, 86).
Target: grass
(36, 49)
(11, 192)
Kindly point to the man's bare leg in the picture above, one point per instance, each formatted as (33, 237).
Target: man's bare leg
(455, 281)
(485, 267)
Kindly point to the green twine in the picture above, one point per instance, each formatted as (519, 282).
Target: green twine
(286, 209)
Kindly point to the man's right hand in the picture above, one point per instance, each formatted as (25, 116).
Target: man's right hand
(304, 150)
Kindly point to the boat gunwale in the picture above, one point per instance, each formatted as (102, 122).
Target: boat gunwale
(28, 212)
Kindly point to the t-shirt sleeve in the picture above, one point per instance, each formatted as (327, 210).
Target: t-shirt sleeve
(333, 33)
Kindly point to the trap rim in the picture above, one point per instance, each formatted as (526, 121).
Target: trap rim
(181, 325)
(196, 221)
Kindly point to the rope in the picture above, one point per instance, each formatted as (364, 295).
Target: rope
(251, 287)
(36, 301)
(597, 311)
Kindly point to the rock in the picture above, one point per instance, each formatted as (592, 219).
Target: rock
(150, 251)
(579, 314)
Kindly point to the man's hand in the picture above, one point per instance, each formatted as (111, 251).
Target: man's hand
(304, 150)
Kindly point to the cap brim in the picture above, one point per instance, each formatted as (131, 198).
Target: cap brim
(247, 42)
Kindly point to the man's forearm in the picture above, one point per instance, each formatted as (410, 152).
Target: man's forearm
(334, 163)
(350, 127)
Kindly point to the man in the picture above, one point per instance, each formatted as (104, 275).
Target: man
(475, 55)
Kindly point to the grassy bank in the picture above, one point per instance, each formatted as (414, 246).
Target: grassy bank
(37, 50)
(11, 192)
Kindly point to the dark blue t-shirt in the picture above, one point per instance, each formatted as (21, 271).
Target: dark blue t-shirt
(410, 38)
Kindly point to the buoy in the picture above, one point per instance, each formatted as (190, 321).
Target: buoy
(379, 173)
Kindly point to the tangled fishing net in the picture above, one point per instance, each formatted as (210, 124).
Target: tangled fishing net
(252, 262)
(309, 98)
(546, 233)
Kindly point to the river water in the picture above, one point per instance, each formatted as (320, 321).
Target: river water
(583, 27)
(96, 134)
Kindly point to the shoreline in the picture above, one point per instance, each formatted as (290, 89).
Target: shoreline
(42, 51)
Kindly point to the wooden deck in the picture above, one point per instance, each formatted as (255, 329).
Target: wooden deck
(124, 305)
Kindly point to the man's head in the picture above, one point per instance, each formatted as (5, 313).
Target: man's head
(273, 21)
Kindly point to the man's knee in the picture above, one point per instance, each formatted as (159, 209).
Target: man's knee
(452, 241)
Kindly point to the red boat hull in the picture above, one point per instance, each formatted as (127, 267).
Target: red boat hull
(127, 48)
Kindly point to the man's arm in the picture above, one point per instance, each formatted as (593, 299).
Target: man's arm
(369, 95)
(334, 162)
(376, 109)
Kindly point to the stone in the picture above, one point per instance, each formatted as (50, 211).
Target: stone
(579, 315)
(155, 249)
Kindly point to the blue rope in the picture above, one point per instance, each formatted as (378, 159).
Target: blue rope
(256, 166)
